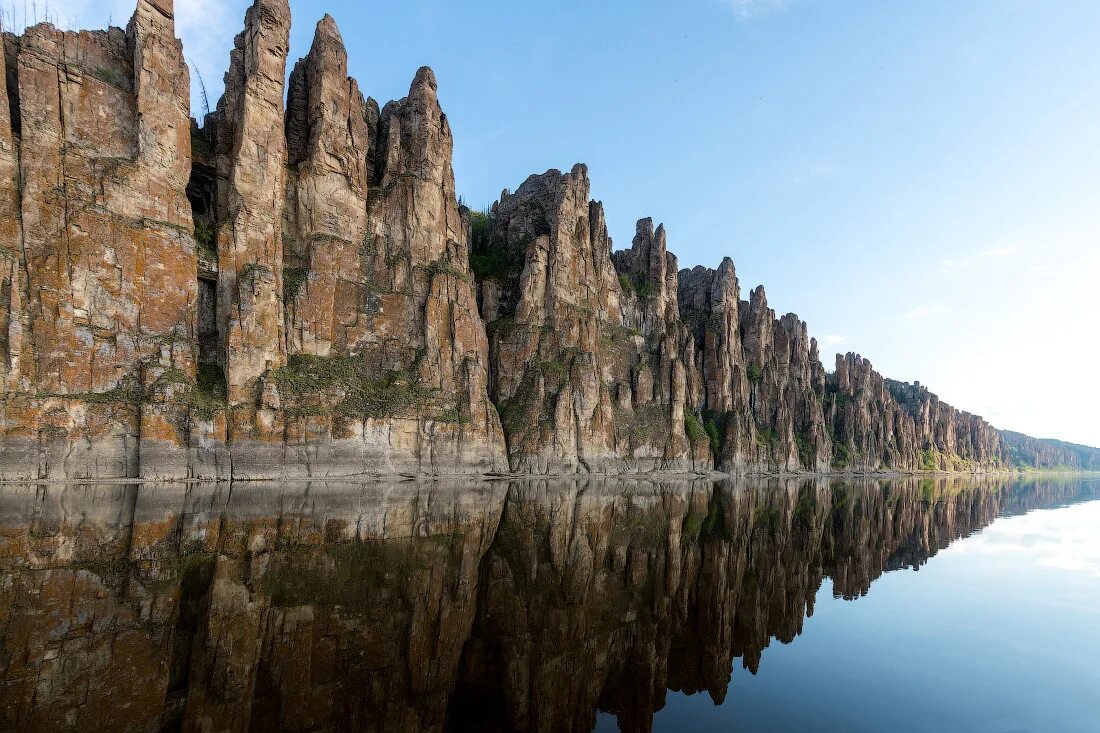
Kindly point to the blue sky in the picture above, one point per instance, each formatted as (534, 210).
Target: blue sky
(919, 181)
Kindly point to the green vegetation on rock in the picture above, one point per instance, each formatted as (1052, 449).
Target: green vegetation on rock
(293, 279)
(694, 428)
(312, 384)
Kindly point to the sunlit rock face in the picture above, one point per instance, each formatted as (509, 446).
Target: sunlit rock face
(97, 256)
(383, 367)
(292, 291)
(283, 292)
(443, 606)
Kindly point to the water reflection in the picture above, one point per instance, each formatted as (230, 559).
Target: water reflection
(444, 606)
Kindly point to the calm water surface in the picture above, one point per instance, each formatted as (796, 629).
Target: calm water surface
(555, 605)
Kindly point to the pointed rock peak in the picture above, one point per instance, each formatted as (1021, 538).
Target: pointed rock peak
(328, 52)
(266, 16)
(163, 7)
(327, 26)
(660, 245)
(153, 17)
(727, 268)
(424, 83)
(272, 9)
(758, 298)
(327, 35)
(578, 181)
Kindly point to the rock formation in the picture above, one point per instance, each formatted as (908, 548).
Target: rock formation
(591, 370)
(100, 287)
(294, 299)
(291, 290)
(1037, 453)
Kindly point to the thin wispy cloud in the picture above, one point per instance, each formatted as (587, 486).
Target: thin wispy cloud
(835, 339)
(925, 311)
(749, 9)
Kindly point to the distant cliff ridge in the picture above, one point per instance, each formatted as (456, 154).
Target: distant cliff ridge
(292, 290)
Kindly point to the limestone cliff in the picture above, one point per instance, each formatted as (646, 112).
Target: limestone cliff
(291, 290)
(591, 370)
(1038, 453)
(98, 256)
(282, 292)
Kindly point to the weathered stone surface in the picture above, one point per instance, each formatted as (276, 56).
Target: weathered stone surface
(389, 365)
(949, 440)
(1023, 450)
(248, 130)
(328, 131)
(101, 284)
(287, 293)
(592, 372)
(872, 432)
(127, 263)
(880, 424)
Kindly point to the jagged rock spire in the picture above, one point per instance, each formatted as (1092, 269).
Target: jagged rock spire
(251, 173)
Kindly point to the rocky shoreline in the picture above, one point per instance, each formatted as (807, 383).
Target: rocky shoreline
(292, 290)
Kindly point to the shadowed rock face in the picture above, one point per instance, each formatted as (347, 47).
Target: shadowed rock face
(1037, 453)
(591, 370)
(444, 606)
(292, 291)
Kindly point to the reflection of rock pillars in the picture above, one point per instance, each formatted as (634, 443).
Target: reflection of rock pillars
(415, 607)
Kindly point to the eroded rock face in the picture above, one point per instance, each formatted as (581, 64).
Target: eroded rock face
(764, 380)
(100, 285)
(313, 261)
(1024, 450)
(329, 125)
(950, 439)
(880, 424)
(592, 368)
(296, 293)
(872, 431)
(388, 365)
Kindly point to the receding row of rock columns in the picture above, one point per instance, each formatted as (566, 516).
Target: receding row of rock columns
(292, 290)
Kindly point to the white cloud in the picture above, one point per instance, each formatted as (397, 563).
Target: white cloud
(834, 339)
(925, 311)
(953, 264)
(1063, 539)
(748, 9)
